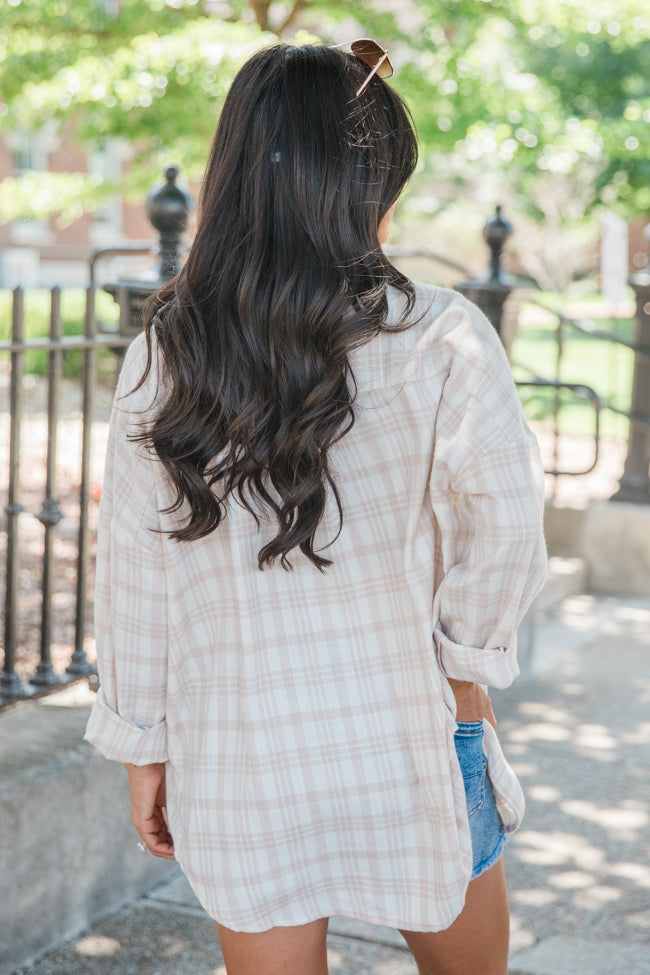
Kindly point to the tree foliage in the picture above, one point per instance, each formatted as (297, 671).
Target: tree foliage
(534, 91)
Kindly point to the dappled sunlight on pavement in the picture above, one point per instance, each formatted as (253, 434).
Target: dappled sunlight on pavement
(149, 938)
(577, 733)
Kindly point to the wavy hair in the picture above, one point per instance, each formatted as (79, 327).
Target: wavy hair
(284, 278)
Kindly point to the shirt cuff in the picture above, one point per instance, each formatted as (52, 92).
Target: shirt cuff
(122, 740)
(495, 667)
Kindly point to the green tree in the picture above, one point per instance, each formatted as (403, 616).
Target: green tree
(528, 93)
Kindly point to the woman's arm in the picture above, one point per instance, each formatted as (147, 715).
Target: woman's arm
(127, 723)
(487, 494)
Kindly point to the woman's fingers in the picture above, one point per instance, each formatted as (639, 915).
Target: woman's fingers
(472, 702)
(155, 834)
(147, 785)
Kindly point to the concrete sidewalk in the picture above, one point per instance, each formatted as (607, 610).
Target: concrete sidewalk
(577, 730)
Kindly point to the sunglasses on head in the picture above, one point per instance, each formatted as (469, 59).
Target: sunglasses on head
(372, 54)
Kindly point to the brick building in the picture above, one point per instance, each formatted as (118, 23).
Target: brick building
(41, 253)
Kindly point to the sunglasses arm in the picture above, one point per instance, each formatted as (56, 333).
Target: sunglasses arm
(374, 70)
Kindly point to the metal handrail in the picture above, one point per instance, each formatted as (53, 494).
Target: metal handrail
(120, 250)
(67, 342)
(587, 326)
(397, 250)
(580, 390)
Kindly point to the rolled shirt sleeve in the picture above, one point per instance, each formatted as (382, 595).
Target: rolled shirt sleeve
(127, 722)
(487, 492)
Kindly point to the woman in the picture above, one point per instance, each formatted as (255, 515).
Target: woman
(320, 528)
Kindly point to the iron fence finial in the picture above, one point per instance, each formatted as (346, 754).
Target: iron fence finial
(495, 233)
(168, 208)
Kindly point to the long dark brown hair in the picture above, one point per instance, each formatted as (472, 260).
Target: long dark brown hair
(284, 278)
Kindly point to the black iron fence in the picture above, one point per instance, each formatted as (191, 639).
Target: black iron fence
(635, 482)
(44, 679)
(168, 206)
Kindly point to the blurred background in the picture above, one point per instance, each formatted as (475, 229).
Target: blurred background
(539, 107)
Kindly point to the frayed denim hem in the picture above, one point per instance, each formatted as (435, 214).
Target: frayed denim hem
(491, 860)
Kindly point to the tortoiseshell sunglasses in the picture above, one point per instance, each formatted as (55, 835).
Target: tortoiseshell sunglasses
(372, 54)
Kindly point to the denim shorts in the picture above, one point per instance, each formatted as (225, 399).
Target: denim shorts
(488, 838)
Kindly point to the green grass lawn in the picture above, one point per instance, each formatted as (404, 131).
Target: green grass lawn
(604, 366)
(37, 325)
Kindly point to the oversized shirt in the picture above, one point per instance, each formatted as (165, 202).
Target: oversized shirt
(306, 718)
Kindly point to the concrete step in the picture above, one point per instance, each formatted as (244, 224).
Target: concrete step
(68, 851)
(566, 577)
(612, 537)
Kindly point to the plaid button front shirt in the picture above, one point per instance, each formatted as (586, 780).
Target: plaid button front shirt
(306, 718)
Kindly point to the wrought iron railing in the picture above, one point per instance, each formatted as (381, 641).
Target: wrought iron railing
(44, 679)
(582, 392)
(168, 206)
(638, 416)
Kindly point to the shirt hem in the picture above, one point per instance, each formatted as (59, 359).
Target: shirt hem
(366, 918)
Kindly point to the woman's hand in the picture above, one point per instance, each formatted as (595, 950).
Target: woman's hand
(472, 702)
(147, 784)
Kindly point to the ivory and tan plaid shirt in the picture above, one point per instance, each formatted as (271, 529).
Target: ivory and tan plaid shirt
(306, 718)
